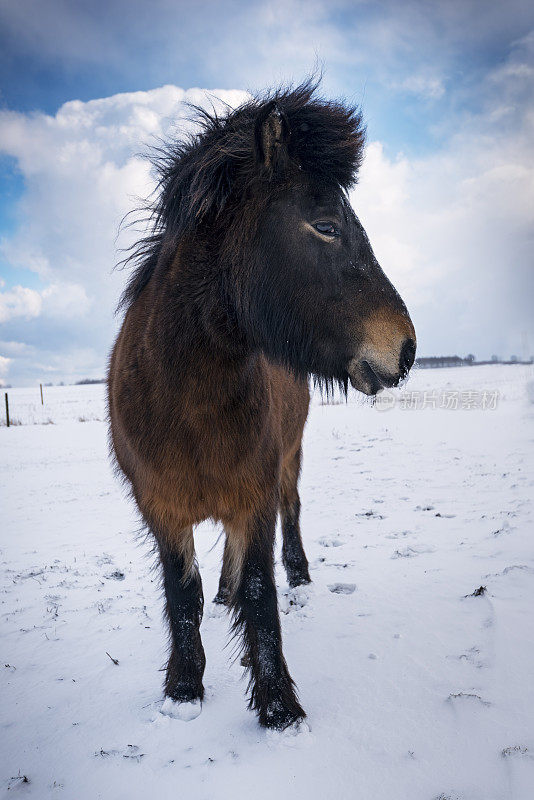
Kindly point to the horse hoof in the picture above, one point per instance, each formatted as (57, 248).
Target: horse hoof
(280, 714)
(299, 579)
(186, 711)
(297, 734)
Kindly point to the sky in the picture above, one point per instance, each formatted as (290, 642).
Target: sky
(446, 191)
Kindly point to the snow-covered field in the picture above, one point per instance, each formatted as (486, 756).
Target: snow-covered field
(415, 689)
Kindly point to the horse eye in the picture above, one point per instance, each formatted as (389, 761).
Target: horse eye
(327, 229)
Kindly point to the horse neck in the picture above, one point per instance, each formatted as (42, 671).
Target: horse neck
(200, 345)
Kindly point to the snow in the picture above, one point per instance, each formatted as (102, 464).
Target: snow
(185, 711)
(417, 686)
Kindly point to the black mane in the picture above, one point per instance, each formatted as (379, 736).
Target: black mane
(201, 175)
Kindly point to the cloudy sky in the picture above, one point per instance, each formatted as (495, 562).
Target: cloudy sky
(446, 190)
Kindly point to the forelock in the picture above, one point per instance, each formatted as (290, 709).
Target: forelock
(217, 166)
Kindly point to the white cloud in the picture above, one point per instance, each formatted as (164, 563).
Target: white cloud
(19, 302)
(14, 348)
(58, 301)
(4, 365)
(82, 169)
(430, 88)
(65, 301)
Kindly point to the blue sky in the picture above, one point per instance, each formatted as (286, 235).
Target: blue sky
(52, 52)
(446, 89)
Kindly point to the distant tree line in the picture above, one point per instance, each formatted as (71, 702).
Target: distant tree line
(433, 362)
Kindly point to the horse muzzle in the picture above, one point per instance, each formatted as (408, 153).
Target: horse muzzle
(375, 369)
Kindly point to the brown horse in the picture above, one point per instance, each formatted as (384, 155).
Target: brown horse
(257, 275)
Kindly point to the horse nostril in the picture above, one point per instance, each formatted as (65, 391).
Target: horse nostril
(407, 356)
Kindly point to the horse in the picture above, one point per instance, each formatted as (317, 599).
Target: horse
(256, 277)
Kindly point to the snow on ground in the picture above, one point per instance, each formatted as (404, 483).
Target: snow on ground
(60, 404)
(415, 689)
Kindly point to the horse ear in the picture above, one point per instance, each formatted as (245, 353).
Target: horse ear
(271, 135)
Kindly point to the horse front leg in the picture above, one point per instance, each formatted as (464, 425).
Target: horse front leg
(255, 610)
(183, 606)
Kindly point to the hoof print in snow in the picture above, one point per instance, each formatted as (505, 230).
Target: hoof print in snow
(106, 753)
(117, 575)
(370, 515)
(342, 588)
(295, 599)
(330, 541)
(399, 535)
(185, 711)
(515, 750)
(472, 656)
(413, 550)
(504, 529)
(447, 797)
(467, 696)
(131, 752)
(17, 781)
(507, 570)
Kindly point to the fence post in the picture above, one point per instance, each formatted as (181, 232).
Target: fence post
(7, 411)
(42, 401)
